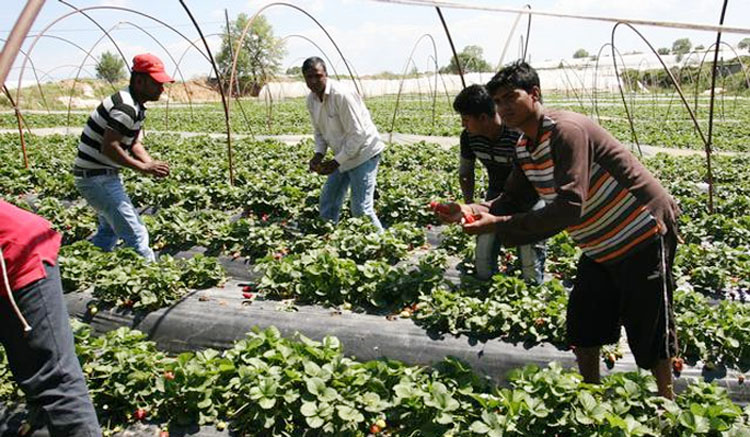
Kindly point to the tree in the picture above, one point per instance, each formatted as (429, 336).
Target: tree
(294, 71)
(471, 60)
(110, 67)
(580, 53)
(680, 47)
(259, 58)
(663, 51)
(744, 44)
(699, 47)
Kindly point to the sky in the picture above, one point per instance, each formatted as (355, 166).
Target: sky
(373, 36)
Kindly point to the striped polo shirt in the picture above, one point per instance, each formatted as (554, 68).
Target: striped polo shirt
(119, 112)
(613, 222)
(497, 156)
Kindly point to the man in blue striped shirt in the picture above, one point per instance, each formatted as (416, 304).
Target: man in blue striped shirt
(485, 137)
(111, 140)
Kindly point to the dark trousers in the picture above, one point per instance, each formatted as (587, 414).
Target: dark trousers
(44, 364)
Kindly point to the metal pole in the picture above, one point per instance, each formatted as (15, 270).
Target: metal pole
(20, 129)
(17, 35)
(453, 48)
(221, 90)
(711, 114)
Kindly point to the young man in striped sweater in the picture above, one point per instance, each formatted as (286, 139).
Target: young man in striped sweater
(614, 209)
(111, 140)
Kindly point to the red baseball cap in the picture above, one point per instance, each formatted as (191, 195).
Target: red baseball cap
(148, 63)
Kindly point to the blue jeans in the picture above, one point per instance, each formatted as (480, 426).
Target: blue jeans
(118, 218)
(532, 256)
(362, 182)
(44, 363)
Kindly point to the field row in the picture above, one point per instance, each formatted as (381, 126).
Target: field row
(656, 123)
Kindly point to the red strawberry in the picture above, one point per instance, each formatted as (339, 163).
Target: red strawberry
(740, 379)
(677, 365)
(164, 434)
(248, 295)
(247, 288)
(375, 429)
(264, 217)
(610, 360)
(140, 414)
(440, 207)
(469, 218)
(277, 256)
(169, 376)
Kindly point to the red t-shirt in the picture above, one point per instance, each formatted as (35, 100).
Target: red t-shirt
(27, 241)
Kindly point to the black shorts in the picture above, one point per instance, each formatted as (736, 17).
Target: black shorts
(632, 293)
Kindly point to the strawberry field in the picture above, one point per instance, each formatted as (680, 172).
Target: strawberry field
(659, 120)
(270, 384)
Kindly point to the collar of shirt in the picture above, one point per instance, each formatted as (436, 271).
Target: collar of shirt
(546, 125)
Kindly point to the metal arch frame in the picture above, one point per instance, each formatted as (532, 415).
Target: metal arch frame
(106, 34)
(596, 74)
(182, 56)
(703, 61)
(221, 89)
(82, 12)
(356, 76)
(403, 77)
(565, 69)
(78, 74)
(510, 34)
(36, 76)
(268, 99)
(679, 91)
(261, 10)
(325, 55)
(184, 85)
(239, 46)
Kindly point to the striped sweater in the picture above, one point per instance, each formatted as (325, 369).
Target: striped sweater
(119, 112)
(593, 187)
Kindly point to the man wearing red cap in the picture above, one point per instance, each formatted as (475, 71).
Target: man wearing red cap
(110, 141)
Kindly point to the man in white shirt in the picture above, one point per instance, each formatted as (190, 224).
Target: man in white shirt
(342, 123)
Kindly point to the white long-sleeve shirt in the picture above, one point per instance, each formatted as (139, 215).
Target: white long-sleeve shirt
(342, 122)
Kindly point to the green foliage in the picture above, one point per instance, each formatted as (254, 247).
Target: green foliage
(663, 51)
(471, 59)
(269, 385)
(681, 46)
(295, 71)
(580, 53)
(259, 58)
(123, 278)
(110, 67)
(744, 44)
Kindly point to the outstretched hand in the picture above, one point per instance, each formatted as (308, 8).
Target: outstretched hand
(484, 223)
(159, 169)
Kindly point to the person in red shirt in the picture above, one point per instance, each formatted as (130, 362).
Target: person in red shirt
(35, 327)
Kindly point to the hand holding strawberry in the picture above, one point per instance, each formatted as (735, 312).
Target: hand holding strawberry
(483, 223)
(451, 212)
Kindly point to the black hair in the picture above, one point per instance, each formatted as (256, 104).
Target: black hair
(519, 74)
(311, 62)
(474, 100)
